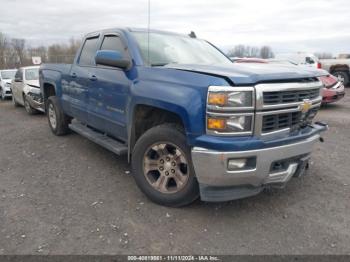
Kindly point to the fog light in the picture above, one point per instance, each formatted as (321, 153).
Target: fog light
(235, 164)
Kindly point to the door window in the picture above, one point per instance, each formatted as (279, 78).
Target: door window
(87, 55)
(114, 43)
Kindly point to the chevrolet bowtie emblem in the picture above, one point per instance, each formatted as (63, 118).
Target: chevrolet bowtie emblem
(305, 106)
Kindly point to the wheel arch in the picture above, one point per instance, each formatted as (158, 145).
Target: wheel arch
(145, 116)
(339, 67)
(48, 89)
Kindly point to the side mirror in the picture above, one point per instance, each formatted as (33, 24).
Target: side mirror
(111, 58)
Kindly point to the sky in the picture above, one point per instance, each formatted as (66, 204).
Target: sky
(285, 25)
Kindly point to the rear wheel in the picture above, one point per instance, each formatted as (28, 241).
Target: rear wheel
(28, 107)
(2, 93)
(342, 76)
(162, 167)
(58, 121)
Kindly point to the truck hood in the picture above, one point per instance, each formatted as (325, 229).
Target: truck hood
(249, 73)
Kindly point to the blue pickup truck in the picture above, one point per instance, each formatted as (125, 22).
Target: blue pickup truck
(192, 123)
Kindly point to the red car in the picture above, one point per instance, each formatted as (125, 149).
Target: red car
(333, 89)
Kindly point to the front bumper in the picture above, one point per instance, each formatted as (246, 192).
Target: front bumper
(330, 95)
(35, 101)
(218, 183)
(7, 91)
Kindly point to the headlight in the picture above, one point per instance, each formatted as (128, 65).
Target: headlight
(235, 97)
(230, 110)
(231, 124)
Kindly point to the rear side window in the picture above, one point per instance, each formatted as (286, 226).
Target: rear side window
(112, 42)
(87, 56)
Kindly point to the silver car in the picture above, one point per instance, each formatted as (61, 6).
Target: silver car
(6, 77)
(26, 89)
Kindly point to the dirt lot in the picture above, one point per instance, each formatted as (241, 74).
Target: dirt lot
(66, 195)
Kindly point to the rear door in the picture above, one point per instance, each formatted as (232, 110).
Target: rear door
(108, 90)
(78, 94)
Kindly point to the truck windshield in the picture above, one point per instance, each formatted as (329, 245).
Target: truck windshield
(8, 74)
(168, 49)
(32, 74)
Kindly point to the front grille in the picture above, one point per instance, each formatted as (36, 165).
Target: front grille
(284, 97)
(292, 120)
(279, 121)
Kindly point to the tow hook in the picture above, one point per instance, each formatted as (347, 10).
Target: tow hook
(320, 123)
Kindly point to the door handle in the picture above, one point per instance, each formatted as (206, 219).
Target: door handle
(93, 78)
(73, 75)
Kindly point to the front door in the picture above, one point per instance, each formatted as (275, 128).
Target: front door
(108, 91)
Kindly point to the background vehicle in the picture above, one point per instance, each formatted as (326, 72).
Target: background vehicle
(26, 89)
(192, 122)
(300, 58)
(340, 68)
(6, 77)
(333, 89)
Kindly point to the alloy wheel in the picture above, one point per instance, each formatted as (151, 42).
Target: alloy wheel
(166, 167)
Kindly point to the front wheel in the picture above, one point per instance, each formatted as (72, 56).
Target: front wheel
(28, 107)
(162, 167)
(2, 94)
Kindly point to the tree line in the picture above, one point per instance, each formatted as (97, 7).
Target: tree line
(251, 51)
(15, 52)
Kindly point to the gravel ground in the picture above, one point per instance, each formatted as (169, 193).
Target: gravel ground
(66, 195)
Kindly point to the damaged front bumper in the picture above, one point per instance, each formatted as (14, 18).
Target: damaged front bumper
(220, 180)
(35, 100)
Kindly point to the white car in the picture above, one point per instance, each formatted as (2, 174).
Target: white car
(300, 58)
(6, 77)
(26, 89)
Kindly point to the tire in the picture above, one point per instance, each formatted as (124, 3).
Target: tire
(2, 94)
(58, 121)
(28, 107)
(175, 192)
(14, 101)
(342, 76)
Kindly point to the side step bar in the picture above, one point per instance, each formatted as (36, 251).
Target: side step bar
(101, 139)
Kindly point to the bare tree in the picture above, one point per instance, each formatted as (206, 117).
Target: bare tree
(237, 51)
(249, 51)
(18, 46)
(266, 52)
(254, 51)
(3, 47)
